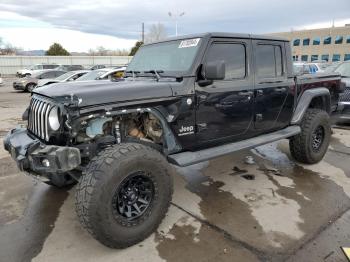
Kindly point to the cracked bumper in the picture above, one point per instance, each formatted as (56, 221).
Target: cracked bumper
(33, 156)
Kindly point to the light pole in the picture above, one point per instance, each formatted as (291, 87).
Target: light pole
(176, 16)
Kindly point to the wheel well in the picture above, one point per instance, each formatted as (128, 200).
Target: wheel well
(144, 126)
(320, 102)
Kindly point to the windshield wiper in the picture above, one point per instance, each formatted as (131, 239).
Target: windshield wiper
(133, 73)
(155, 72)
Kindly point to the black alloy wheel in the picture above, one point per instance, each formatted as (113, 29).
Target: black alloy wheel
(133, 197)
(317, 138)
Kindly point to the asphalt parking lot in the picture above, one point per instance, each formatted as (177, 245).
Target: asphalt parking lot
(271, 209)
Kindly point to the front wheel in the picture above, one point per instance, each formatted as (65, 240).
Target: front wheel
(30, 87)
(311, 144)
(124, 194)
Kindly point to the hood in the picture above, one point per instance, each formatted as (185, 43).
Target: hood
(104, 92)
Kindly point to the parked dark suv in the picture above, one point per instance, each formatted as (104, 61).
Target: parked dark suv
(183, 101)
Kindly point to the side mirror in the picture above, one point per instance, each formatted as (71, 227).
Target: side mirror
(215, 70)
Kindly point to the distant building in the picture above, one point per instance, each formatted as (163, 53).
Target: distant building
(329, 44)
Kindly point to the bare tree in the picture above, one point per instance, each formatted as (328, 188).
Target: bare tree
(7, 49)
(156, 32)
(101, 51)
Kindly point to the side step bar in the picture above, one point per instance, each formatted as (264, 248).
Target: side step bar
(190, 158)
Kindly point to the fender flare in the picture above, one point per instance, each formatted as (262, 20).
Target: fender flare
(305, 100)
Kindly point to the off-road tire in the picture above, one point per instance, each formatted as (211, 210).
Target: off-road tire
(103, 177)
(301, 145)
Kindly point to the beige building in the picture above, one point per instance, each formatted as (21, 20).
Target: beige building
(330, 44)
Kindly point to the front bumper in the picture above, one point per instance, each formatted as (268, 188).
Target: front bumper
(342, 115)
(33, 156)
(18, 86)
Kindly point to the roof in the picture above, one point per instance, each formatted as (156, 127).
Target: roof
(224, 35)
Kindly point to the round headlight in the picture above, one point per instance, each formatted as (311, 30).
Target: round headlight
(54, 121)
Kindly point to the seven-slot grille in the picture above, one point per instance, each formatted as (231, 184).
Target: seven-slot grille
(39, 110)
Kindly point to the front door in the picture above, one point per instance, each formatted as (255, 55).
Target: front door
(225, 108)
(272, 86)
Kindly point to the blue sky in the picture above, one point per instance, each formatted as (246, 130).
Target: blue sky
(83, 24)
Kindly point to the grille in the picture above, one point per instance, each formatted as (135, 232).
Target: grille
(38, 117)
(345, 97)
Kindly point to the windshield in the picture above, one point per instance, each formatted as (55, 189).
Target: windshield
(174, 56)
(93, 75)
(343, 69)
(65, 76)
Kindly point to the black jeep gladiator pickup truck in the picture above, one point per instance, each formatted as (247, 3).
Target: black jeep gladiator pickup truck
(183, 101)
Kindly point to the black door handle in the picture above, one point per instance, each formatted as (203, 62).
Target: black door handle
(247, 93)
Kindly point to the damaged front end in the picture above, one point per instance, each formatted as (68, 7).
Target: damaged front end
(61, 139)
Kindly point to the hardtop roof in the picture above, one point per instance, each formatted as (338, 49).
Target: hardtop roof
(223, 35)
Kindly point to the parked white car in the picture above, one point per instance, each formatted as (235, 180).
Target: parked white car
(34, 68)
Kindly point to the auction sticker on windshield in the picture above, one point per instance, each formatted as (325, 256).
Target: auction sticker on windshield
(189, 43)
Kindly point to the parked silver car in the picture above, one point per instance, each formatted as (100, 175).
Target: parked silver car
(35, 68)
(67, 77)
(28, 83)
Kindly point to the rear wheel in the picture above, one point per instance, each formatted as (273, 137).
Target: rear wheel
(124, 194)
(311, 144)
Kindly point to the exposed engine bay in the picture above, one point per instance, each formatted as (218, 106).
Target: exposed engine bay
(103, 131)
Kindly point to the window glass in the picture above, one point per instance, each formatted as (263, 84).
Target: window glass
(47, 75)
(234, 56)
(278, 57)
(348, 39)
(338, 40)
(325, 57)
(304, 58)
(336, 58)
(316, 41)
(269, 61)
(58, 73)
(314, 57)
(306, 41)
(346, 57)
(296, 42)
(327, 40)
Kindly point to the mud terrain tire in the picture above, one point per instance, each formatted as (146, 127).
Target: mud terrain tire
(106, 182)
(311, 144)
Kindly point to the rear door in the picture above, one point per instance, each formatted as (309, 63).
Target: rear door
(225, 108)
(273, 101)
